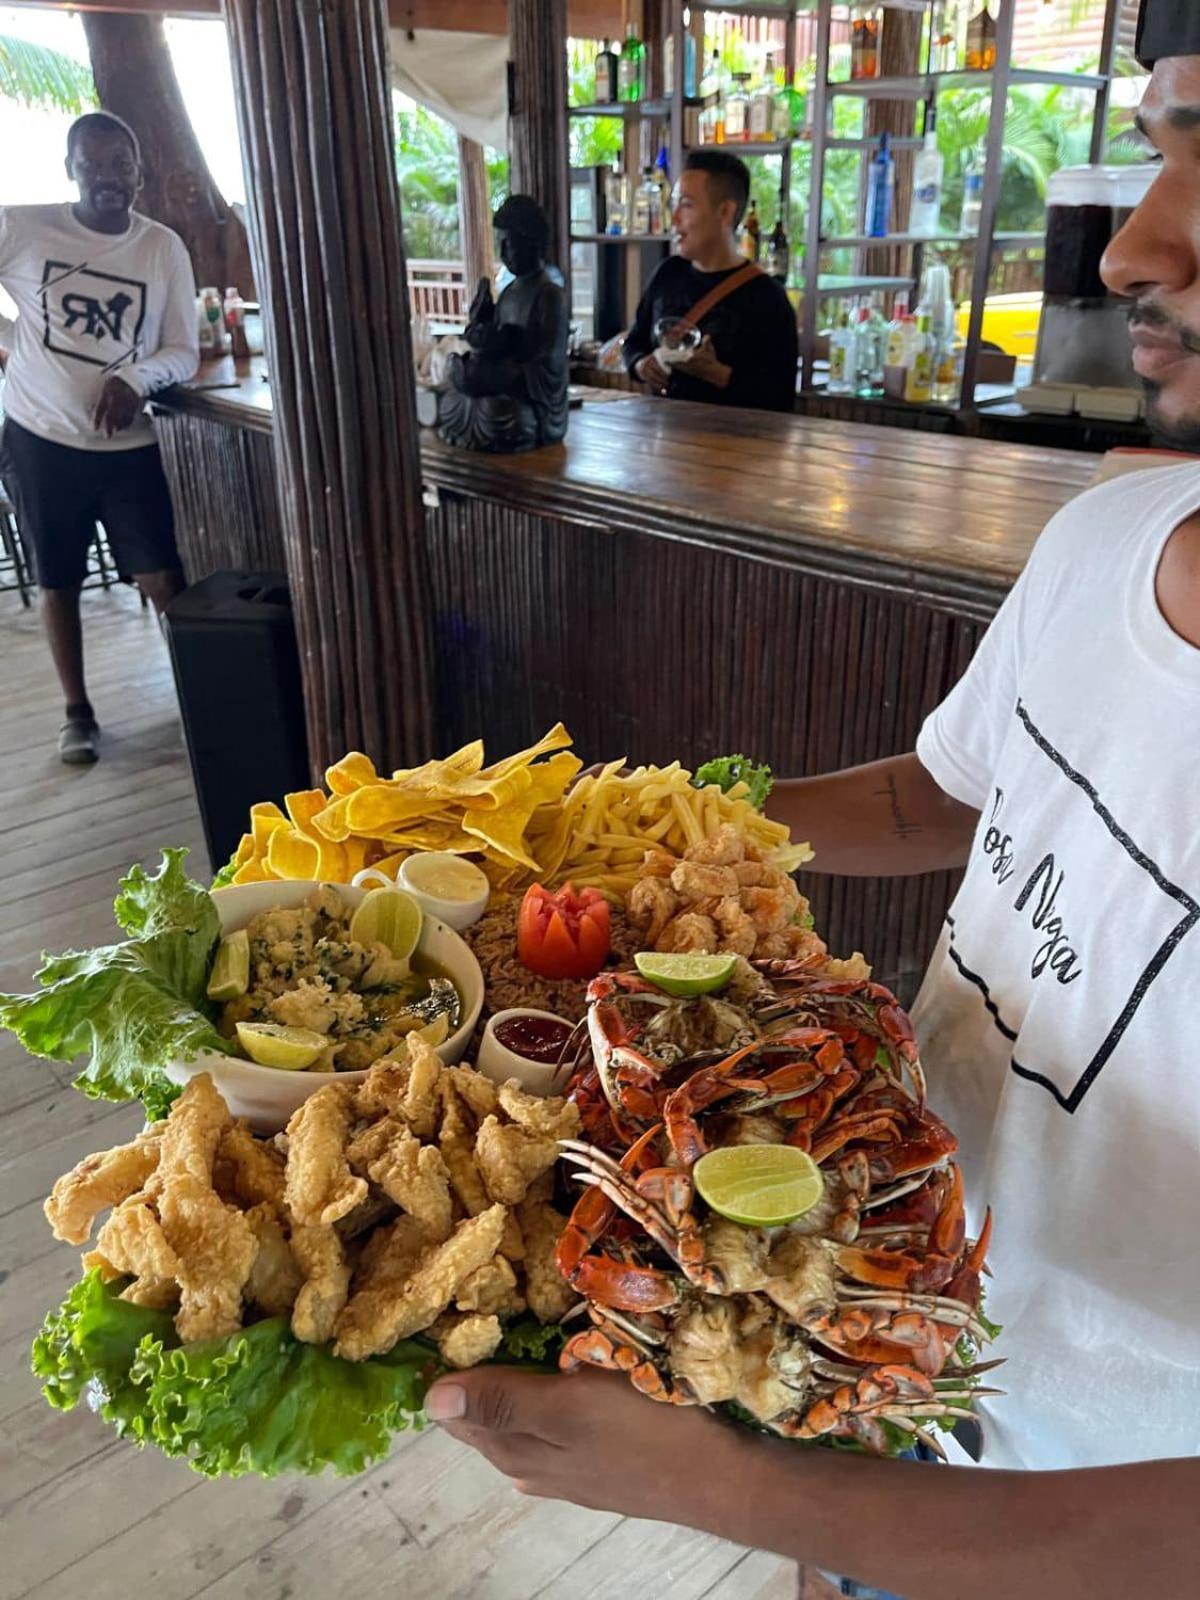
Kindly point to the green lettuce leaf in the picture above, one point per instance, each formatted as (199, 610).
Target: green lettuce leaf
(725, 771)
(133, 1006)
(225, 877)
(532, 1343)
(259, 1401)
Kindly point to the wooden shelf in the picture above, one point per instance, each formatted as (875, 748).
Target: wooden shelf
(621, 238)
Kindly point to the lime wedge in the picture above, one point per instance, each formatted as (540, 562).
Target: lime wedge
(759, 1185)
(388, 917)
(685, 975)
(273, 1045)
(230, 975)
(435, 1032)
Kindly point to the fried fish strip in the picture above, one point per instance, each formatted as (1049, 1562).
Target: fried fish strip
(213, 1241)
(216, 1248)
(549, 1297)
(248, 1170)
(275, 1276)
(456, 1142)
(131, 1243)
(466, 1341)
(491, 1290)
(99, 1181)
(375, 1319)
(322, 1260)
(478, 1092)
(548, 1119)
(509, 1159)
(319, 1187)
(390, 1256)
(415, 1177)
(405, 1088)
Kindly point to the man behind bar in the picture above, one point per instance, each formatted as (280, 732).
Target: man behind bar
(747, 356)
(1058, 1026)
(107, 316)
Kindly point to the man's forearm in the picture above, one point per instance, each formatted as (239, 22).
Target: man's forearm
(886, 819)
(929, 1532)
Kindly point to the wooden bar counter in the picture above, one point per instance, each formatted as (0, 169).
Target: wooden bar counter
(684, 581)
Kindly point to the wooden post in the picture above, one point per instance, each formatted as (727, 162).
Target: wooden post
(135, 79)
(537, 34)
(314, 109)
(474, 214)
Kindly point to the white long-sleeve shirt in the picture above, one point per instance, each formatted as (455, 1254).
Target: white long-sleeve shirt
(91, 305)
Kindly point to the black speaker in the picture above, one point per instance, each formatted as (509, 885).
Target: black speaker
(237, 672)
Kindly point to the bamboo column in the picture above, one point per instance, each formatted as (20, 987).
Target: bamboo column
(314, 109)
(474, 214)
(537, 35)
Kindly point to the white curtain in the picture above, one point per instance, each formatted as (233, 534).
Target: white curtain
(461, 76)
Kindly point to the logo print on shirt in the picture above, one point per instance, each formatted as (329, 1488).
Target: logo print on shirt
(1037, 897)
(90, 316)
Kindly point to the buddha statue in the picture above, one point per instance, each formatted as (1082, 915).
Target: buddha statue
(510, 392)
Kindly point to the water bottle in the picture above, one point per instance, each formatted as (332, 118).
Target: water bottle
(881, 190)
(972, 203)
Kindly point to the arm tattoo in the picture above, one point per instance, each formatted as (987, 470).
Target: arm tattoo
(901, 826)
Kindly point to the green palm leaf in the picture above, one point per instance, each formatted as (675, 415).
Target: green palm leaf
(37, 76)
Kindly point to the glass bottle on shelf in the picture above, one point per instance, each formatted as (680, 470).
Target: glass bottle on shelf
(865, 24)
(615, 208)
(779, 251)
(737, 110)
(782, 98)
(606, 75)
(841, 355)
(981, 41)
(647, 206)
(689, 65)
(974, 168)
(762, 102)
(929, 170)
(918, 386)
(943, 36)
(751, 239)
(631, 69)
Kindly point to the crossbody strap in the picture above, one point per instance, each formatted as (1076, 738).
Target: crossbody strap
(722, 291)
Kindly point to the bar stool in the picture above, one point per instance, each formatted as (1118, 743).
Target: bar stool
(14, 569)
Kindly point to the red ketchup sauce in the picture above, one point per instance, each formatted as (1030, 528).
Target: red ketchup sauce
(535, 1038)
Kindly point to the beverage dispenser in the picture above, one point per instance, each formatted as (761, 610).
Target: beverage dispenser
(1084, 336)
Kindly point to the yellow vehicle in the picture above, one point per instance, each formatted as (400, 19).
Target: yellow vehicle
(1010, 322)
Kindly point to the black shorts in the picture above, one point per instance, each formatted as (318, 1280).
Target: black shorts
(60, 494)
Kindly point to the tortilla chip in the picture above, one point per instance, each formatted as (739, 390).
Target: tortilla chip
(305, 805)
(290, 854)
(350, 773)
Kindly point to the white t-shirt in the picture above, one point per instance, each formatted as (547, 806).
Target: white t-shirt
(90, 305)
(1060, 1019)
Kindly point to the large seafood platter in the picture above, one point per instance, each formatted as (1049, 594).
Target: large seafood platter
(504, 1062)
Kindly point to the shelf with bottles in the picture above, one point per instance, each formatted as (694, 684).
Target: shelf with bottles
(922, 85)
(752, 147)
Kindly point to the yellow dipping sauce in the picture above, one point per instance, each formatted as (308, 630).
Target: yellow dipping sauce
(445, 877)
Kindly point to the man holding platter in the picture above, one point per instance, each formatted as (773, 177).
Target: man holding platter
(1057, 1026)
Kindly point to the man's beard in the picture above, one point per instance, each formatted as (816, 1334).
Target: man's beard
(1180, 432)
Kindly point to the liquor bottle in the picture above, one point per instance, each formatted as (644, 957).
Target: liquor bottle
(841, 356)
(881, 189)
(864, 42)
(779, 253)
(631, 69)
(751, 241)
(943, 36)
(974, 165)
(870, 342)
(689, 65)
(737, 110)
(783, 98)
(662, 177)
(762, 103)
(981, 41)
(606, 75)
(919, 385)
(929, 171)
(647, 205)
(615, 204)
(235, 322)
(895, 356)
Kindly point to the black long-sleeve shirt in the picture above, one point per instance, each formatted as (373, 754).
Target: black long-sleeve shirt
(753, 330)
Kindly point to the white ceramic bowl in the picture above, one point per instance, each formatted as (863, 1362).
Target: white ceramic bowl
(456, 914)
(498, 1062)
(267, 1096)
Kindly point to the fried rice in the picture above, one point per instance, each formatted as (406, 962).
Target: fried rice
(508, 982)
